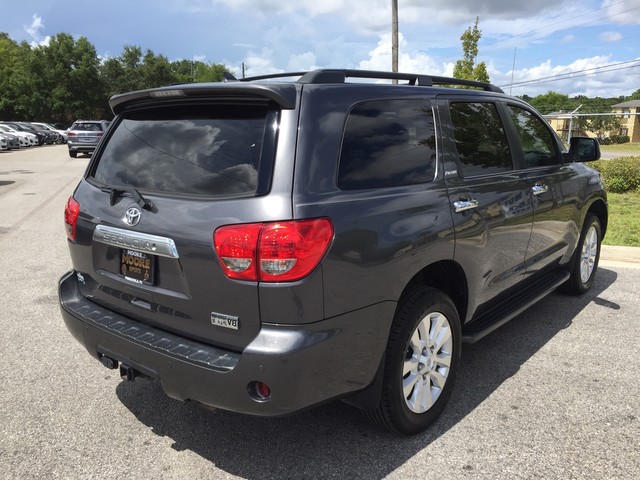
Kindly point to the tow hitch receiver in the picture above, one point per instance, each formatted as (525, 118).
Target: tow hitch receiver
(127, 373)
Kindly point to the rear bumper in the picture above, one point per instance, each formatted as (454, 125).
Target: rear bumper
(303, 365)
(81, 148)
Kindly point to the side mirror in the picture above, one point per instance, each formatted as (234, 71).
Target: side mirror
(584, 149)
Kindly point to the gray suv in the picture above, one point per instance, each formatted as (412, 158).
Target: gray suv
(83, 136)
(264, 246)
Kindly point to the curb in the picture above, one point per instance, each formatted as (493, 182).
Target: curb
(616, 256)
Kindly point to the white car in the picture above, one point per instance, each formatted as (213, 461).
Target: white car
(4, 144)
(26, 139)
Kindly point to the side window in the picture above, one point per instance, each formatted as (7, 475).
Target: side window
(388, 143)
(538, 147)
(480, 139)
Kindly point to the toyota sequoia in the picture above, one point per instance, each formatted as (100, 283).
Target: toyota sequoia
(269, 244)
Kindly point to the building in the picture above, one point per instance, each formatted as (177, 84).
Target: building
(628, 112)
(562, 124)
(630, 119)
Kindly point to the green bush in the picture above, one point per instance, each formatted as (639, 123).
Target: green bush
(621, 174)
(614, 140)
(618, 139)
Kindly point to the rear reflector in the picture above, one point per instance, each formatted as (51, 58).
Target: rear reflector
(71, 213)
(272, 252)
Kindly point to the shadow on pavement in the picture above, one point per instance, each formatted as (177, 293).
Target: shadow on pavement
(335, 440)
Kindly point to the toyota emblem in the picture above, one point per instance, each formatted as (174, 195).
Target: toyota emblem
(132, 216)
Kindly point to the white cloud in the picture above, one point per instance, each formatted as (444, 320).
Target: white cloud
(568, 39)
(302, 62)
(623, 13)
(610, 36)
(408, 60)
(35, 31)
(259, 63)
(587, 81)
(36, 26)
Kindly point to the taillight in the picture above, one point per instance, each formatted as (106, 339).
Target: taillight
(71, 134)
(272, 252)
(236, 248)
(71, 212)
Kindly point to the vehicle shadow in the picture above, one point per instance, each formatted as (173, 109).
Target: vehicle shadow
(334, 440)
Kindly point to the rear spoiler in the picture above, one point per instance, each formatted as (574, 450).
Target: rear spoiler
(283, 95)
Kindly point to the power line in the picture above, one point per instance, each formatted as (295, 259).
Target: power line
(578, 73)
(567, 52)
(526, 35)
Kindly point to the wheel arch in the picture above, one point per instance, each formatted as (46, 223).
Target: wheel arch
(446, 276)
(599, 209)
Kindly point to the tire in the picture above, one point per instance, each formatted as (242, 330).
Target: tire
(73, 154)
(421, 362)
(586, 257)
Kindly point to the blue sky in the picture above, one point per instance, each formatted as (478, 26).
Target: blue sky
(593, 45)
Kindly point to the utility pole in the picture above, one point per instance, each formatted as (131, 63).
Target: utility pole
(394, 37)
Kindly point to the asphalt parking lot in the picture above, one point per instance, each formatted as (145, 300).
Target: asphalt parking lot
(553, 394)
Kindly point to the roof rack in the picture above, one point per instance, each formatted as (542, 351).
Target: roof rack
(340, 76)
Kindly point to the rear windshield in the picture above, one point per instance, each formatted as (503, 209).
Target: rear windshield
(203, 150)
(87, 127)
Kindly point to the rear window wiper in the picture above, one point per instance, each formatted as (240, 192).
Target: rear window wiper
(116, 192)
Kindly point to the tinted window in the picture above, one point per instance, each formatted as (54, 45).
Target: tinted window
(195, 150)
(537, 142)
(480, 139)
(386, 144)
(87, 127)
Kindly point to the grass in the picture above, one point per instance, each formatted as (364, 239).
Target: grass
(624, 219)
(632, 148)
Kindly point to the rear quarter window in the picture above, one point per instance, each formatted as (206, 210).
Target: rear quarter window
(388, 143)
(212, 151)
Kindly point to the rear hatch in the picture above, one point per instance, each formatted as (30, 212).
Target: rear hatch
(86, 133)
(174, 168)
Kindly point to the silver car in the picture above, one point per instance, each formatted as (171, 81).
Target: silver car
(84, 135)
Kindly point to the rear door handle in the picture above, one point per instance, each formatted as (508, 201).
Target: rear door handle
(462, 205)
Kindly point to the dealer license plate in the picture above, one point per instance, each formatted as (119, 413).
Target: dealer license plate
(137, 266)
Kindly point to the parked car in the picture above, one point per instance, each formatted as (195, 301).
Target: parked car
(26, 139)
(4, 143)
(84, 135)
(50, 136)
(41, 137)
(267, 246)
(61, 136)
(13, 142)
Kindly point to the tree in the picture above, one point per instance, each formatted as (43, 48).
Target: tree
(65, 80)
(466, 68)
(189, 71)
(12, 73)
(57, 82)
(552, 102)
(601, 125)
